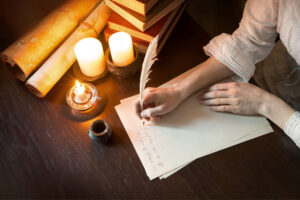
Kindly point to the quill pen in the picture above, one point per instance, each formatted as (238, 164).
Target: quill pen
(150, 58)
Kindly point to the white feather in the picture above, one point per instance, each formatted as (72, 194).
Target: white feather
(150, 58)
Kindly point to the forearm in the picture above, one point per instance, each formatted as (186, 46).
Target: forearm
(203, 75)
(275, 109)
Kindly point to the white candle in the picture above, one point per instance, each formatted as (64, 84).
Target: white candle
(81, 96)
(90, 56)
(121, 50)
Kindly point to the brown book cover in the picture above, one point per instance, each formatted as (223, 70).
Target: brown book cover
(142, 45)
(117, 23)
(161, 9)
(141, 7)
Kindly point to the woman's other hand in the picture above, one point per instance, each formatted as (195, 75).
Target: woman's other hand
(239, 98)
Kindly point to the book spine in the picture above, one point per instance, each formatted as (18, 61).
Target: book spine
(134, 21)
(135, 6)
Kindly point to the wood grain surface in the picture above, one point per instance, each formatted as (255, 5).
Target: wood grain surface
(45, 152)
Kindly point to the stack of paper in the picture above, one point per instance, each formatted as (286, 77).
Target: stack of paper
(189, 132)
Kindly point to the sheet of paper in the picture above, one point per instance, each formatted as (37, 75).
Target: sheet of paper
(166, 175)
(258, 133)
(189, 132)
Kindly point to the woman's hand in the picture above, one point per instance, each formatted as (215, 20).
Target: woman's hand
(158, 101)
(245, 98)
(239, 98)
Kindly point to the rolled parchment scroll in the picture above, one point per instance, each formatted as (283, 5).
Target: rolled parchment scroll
(41, 82)
(27, 53)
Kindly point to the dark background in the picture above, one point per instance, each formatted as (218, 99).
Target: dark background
(19, 16)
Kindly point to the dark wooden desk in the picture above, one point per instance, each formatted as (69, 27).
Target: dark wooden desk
(44, 153)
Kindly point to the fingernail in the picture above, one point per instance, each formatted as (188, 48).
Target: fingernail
(143, 114)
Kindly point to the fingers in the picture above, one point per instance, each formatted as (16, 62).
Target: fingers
(156, 118)
(145, 106)
(216, 101)
(149, 96)
(137, 108)
(221, 97)
(223, 108)
(150, 105)
(214, 94)
(150, 110)
(147, 102)
(223, 86)
(221, 90)
(153, 112)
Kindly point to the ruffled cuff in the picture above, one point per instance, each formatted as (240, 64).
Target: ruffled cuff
(292, 128)
(226, 50)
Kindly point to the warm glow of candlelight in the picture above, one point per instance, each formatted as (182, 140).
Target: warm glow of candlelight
(90, 56)
(79, 88)
(81, 96)
(121, 50)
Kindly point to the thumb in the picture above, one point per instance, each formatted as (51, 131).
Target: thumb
(152, 111)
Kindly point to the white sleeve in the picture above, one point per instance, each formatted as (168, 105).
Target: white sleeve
(251, 42)
(292, 128)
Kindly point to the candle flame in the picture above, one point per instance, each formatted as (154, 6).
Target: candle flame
(77, 83)
(79, 88)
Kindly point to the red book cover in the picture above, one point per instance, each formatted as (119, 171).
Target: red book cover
(116, 22)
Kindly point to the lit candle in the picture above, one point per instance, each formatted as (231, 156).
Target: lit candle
(90, 56)
(121, 50)
(81, 95)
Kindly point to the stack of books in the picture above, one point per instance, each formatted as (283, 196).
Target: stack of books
(144, 20)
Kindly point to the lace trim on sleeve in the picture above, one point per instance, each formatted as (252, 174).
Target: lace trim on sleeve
(292, 128)
(225, 50)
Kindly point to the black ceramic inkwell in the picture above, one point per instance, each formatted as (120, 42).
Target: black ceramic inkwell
(100, 131)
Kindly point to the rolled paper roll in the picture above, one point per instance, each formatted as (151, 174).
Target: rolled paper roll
(27, 53)
(41, 82)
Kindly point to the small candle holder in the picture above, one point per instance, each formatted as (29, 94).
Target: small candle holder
(85, 99)
(125, 71)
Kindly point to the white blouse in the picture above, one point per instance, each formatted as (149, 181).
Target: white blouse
(252, 42)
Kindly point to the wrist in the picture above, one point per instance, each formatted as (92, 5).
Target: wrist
(275, 109)
(180, 91)
(264, 107)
